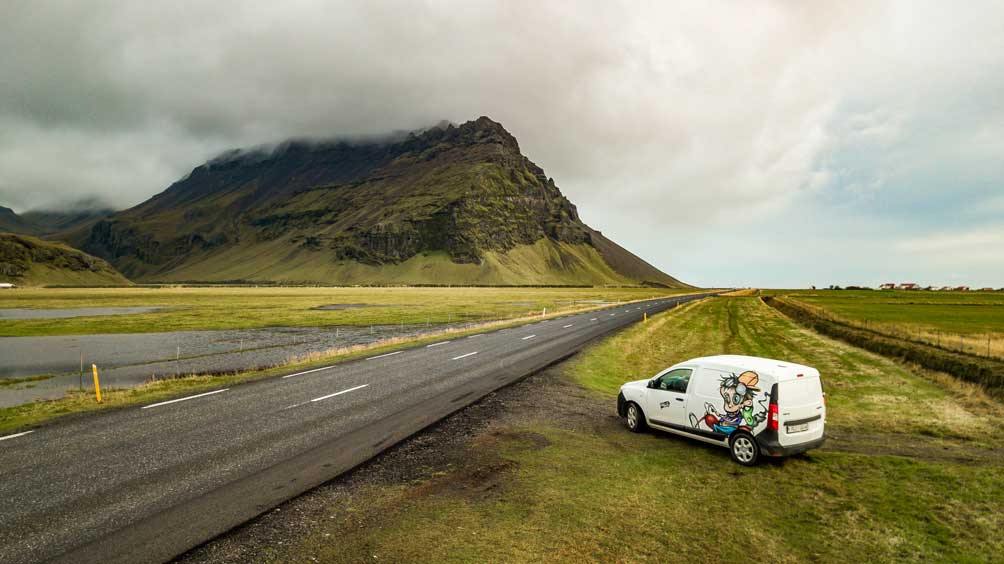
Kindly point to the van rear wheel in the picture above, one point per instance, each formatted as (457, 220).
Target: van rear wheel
(745, 449)
(635, 418)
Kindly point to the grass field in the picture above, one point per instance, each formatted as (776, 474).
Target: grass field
(910, 474)
(193, 308)
(967, 321)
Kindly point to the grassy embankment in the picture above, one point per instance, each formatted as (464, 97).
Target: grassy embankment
(970, 322)
(459, 300)
(596, 493)
(199, 309)
(987, 371)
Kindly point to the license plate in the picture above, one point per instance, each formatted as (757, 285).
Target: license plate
(798, 428)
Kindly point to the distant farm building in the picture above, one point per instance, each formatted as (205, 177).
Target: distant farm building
(887, 286)
(986, 289)
(908, 286)
(961, 289)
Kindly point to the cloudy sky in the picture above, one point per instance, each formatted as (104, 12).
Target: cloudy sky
(729, 143)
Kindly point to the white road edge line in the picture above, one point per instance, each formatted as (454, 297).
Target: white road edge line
(340, 393)
(464, 355)
(384, 355)
(15, 435)
(436, 344)
(528, 337)
(567, 326)
(307, 372)
(478, 335)
(593, 319)
(184, 399)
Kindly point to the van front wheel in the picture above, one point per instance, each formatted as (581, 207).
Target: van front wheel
(744, 449)
(635, 418)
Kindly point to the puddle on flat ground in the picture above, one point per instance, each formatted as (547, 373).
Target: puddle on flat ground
(28, 313)
(133, 358)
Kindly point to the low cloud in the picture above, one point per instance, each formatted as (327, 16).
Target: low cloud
(669, 124)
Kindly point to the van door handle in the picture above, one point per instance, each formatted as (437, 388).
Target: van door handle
(679, 399)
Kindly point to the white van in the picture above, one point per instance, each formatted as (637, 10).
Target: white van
(755, 406)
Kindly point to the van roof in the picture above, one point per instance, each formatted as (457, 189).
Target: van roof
(780, 369)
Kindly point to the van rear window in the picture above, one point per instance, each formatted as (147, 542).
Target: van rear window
(803, 391)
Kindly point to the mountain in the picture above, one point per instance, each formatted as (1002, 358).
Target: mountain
(49, 223)
(13, 223)
(54, 223)
(448, 205)
(29, 261)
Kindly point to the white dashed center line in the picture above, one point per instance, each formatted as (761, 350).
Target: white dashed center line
(15, 435)
(567, 326)
(436, 344)
(306, 372)
(340, 393)
(529, 337)
(384, 355)
(464, 355)
(184, 399)
(593, 319)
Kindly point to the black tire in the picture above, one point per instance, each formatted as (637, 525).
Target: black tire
(744, 448)
(635, 418)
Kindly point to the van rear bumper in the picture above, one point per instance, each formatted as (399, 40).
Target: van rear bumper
(770, 446)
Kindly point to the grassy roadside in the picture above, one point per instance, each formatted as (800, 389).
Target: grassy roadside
(539, 488)
(22, 417)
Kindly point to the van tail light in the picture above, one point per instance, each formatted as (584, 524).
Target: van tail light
(772, 422)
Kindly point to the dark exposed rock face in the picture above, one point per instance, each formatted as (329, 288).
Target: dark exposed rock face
(465, 190)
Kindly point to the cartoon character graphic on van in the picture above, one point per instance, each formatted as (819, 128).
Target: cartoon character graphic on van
(738, 395)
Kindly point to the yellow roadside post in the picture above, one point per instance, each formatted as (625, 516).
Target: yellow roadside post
(645, 314)
(97, 386)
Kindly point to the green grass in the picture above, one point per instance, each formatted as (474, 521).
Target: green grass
(596, 493)
(971, 322)
(861, 387)
(624, 498)
(954, 312)
(247, 307)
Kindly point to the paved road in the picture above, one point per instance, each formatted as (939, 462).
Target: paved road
(145, 484)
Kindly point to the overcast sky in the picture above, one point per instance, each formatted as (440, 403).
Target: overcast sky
(732, 143)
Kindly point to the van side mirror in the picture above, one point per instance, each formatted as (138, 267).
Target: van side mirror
(652, 383)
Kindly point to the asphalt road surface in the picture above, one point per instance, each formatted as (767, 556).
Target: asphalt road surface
(145, 484)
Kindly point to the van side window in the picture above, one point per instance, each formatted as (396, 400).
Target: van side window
(675, 380)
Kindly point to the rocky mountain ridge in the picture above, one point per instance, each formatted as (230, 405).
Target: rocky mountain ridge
(464, 192)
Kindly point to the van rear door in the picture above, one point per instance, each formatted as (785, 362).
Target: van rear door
(801, 410)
